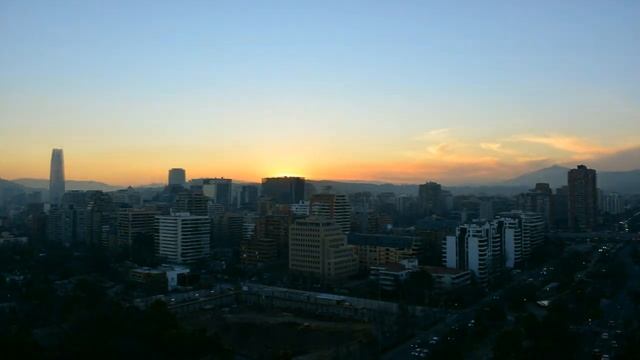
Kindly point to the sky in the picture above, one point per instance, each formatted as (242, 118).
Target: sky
(402, 91)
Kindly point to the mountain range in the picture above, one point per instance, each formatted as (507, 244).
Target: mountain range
(84, 185)
(624, 182)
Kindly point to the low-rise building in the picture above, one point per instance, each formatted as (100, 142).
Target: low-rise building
(446, 279)
(162, 278)
(390, 275)
(380, 249)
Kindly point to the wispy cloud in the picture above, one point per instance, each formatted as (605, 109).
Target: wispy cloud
(433, 134)
(569, 144)
(436, 132)
(451, 157)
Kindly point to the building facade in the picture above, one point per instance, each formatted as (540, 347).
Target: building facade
(182, 238)
(56, 177)
(379, 249)
(284, 190)
(135, 222)
(583, 198)
(332, 206)
(177, 177)
(318, 247)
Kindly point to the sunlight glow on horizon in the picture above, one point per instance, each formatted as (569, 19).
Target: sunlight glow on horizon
(395, 92)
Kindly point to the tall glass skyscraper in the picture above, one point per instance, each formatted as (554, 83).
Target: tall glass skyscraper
(56, 176)
(177, 177)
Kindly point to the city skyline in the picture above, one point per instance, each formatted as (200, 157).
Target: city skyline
(464, 93)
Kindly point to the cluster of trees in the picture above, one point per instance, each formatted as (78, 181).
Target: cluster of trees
(87, 324)
(43, 317)
(531, 338)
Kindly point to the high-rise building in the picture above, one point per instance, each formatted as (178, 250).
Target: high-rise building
(284, 190)
(101, 222)
(507, 243)
(430, 198)
(266, 244)
(227, 230)
(216, 189)
(561, 208)
(318, 247)
(300, 209)
(249, 197)
(191, 202)
(531, 225)
(182, 238)
(332, 206)
(611, 203)
(56, 177)
(538, 200)
(177, 177)
(583, 198)
(487, 247)
(135, 222)
(469, 250)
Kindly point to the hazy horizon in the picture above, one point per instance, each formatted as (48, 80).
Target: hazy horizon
(389, 92)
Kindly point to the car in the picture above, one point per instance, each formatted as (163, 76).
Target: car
(604, 336)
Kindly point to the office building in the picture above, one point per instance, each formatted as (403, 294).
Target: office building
(268, 242)
(561, 208)
(445, 279)
(379, 249)
(135, 222)
(216, 189)
(177, 177)
(538, 200)
(583, 198)
(332, 206)
(390, 275)
(430, 198)
(182, 238)
(128, 197)
(284, 190)
(611, 203)
(56, 177)
(300, 209)
(191, 202)
(249, 197)
(318, 247)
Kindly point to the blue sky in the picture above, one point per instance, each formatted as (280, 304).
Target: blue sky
(215, 86)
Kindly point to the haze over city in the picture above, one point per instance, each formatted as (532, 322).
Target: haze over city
(344, 180)
(471, 92)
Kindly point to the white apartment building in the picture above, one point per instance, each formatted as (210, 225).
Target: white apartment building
(182, 238)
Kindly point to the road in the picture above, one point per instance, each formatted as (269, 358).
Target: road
(460, 318)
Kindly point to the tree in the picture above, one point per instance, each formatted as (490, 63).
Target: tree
(508, 345)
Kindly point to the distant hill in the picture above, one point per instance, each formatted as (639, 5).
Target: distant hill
(84, 185)
(625, 182)
(349, 187)
(555, 176)
(9, 189)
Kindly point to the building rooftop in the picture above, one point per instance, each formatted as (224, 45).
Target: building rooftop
(383, 240)
(439, 270)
